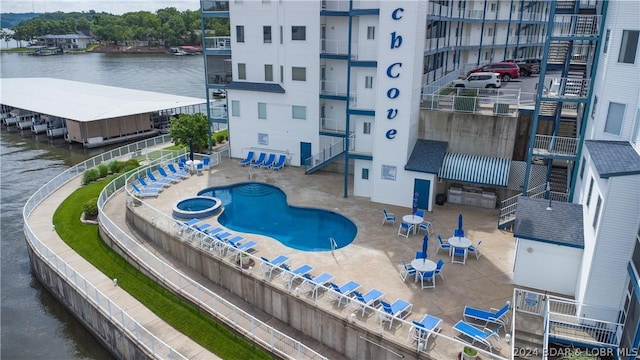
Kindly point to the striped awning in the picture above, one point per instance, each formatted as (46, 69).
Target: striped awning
(475, 169)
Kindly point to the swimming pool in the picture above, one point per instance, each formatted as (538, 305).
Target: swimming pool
(196, 207)
(262, 209)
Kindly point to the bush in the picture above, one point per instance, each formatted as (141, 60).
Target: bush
(220, 138)
(90, 209)
(131, 162)
(115, 167)
(103, 170)
(89, 176)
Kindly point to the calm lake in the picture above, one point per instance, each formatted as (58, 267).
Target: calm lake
(34, 324)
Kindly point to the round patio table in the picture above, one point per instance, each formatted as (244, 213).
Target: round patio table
(423, 265)
(414, 220)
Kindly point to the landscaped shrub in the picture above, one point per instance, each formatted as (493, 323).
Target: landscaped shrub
(115, 166)
(220, 138)
(132, 162)
(90, 209)
(103, 170)
(89, 176)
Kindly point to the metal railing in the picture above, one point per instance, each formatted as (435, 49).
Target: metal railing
(326, 154)
(217, 43)
(567, 87)
(333, 125)
(576, 25)
(335, 47)
(119, 317)
(475, 101)
(207, 5)
(437, 85)
(555, 145)
(332, 88)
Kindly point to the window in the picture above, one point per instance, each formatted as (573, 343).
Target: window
(596, 216)
(281, 74)
(235, 108)
(388, 172)
(605, 47)
(262, 110)
(239, 33)
(493, 6)
(490, 31)
(582, 167)
(298, 33)
(371, 32)
(629, 46)
(281, 34)
(266, 34)
(263, 139)
(366, 128)
(242, 71)
(299, 112)
(590, 191)
(268, 72)
(368, 82)
(365, 174)
(299, 74)
(595, 103)
(615, 117)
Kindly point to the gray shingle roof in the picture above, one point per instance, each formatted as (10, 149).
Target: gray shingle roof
(613, 158)
(255, 86)
(427, 156)
(562, 225)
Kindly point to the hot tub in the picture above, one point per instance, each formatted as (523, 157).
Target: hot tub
(196, 207)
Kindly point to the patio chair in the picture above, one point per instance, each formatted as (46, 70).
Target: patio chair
(268, 266)
(427, 227)
(405, 229)
(420, 255)
(458, 233)
(438, 271)
(420, 331)
(399, 309)
(148, 186)
(443, 246)
(419, 213)
(289, 276)
(177, 172)
(471, 334)
(313, 284)
(475, 250)
(280, 163)
(491, 316)
(260, 160)
(361, 301)
(458, 255)
(429, 277)
(388, 217)
(406, 271)
(144, 193)
(199, 168)
(154, 180)
(248, 160)
(342, 292)
(172, 178)
(206, 162)
(267, 164)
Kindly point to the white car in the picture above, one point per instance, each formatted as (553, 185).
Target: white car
(479, 80)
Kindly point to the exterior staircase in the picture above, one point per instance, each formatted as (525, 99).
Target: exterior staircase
(324, 157)
(558, 50)
(529, 333)
(558, 179)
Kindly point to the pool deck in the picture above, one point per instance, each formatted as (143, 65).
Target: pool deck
(374, 258)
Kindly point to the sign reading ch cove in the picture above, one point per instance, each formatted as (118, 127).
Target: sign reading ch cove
(393, 72)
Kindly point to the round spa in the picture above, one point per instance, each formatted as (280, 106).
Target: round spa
(196, 207)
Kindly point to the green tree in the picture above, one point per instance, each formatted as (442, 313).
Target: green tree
(191, 127)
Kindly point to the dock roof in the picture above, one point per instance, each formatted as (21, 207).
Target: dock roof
(85, 102)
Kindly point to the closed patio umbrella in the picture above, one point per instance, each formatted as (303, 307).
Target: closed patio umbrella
(190, 149)
(460, 221)
(425, 246)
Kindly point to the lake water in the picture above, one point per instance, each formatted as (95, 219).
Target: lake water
(34, 324)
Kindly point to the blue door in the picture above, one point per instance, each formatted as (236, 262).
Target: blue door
(305, 152)
(422, 189)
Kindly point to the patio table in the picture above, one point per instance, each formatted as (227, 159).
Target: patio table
(414, 220)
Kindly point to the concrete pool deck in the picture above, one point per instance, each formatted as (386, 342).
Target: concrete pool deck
(374, 258)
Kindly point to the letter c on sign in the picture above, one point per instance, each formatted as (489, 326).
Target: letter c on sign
(390, 69)
(391, 134)
(394, 14)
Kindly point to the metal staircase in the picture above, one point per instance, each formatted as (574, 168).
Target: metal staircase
(323, 158)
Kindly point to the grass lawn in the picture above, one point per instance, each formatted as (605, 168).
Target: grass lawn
(183, 316)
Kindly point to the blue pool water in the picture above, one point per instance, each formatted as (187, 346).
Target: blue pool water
(196, 207)
(262, 209)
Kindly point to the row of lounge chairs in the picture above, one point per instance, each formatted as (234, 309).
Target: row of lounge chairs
(469, 332)
(264, 161)
(216, 239)
(152, 186)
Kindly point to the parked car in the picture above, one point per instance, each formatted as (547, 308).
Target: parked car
(528, 66)
(479, 80)
(507, 70)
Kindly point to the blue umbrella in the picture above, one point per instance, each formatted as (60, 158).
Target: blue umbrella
(460, 221)
(191, 149)
(425, 246)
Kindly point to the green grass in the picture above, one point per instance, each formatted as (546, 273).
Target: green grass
(183, 316)
(175, 147)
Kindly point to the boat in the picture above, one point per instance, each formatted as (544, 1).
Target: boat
(47, 51)
(177, 51)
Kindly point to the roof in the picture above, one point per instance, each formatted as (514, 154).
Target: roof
(476, 169)
(562, 225)
(64, 36)
(427, 156)
(613, 158)
(255, 86)
(85, 102)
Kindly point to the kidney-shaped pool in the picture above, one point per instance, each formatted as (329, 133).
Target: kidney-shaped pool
(262, 209)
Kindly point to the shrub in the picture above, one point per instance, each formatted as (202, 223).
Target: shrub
(132, 162)
(220, 138)
(115, 166)
(89, 176)
(90, 209)
(103, 170)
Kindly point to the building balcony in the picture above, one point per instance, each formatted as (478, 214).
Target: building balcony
(219, 79)
(328, 5)
(333, 126)
(567, 89)
(335, 47)
(332, 88)
(214, 6)
(217, 43)
(568, 26)
(549, 146)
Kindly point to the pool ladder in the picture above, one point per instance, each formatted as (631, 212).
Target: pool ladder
(333, 244)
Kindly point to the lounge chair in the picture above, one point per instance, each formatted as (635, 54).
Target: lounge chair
(268, 266)
(147, 186)
(313, 284)
(342, 292)
(491, 316)
(280, 163)
(144, 193)
(388, 217)
(248, 160)
(405, 229)
(267, 164)
(430, 278)
(172, 178)
(420, 331)
(406, 271)
(202, 227)
(214, 231)
(443, 246)
(176, 172)
(361, 301)
(154, 180)
(475, 250)
(471, 334)
(399, 309)
(289, 276)
(260, 160)
(239, 249)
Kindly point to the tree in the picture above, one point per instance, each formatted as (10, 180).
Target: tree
(193, 127)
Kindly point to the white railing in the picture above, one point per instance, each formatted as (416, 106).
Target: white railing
(474, 14)
(217, 43)
(102, 303)
(555, 145)
(434, 43)
(437, 85)
(576, 25)
(333, 125)
(332, 88)
(567, 87)
(332, 5)
(207, 5)
(326, 154)
(335, 47)
(478, 101)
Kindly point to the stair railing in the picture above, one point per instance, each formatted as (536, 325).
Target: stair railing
(325, 155)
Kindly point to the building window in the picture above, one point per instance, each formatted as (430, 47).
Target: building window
(615, 117)
(281, 74)
(366, 128)
(365, 174)
(239, 33)
(388, 172)
(266, 34)
(235, 108)
(262, 110)
(268, 72)
(298, 33)
(263, 139)
(590, 191)
(493, 6)
(368, 82)
(595, 103)
(242, 71)
(490, 31)
(607, 36)
(596, 216)
(582, 167)
(299, 74)
(281, 35)
(629, 47)
(371, 32)
(299, 112)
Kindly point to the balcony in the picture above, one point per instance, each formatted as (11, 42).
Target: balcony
(335, 47)
(567, 88)
(333, 126)
(576, 26)
(214, 6)
(332, 88)
(217, 43)
(545, 145)
(219, 78)
(328, 5)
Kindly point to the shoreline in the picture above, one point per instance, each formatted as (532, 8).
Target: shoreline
(105, 49)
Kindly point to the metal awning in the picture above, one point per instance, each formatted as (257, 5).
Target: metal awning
(482, 170)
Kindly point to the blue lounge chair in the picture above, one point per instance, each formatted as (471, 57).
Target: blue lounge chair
(388, 217)
(289, 276)
(406, 271)
(492, 316)
(214, 231)
(313, 284)
(239, 249)
(280, 163)
(421, 330)
(400, 309)
(176, 172)
(268, 266)
(267, 164)
(153, 179)
(234, 240)
(260, 160)
(344, 291)
(144, 193)
(248, 160)
(171, 178)
(147, 186)
(443, 246)
(202, 227)
(361, 301)
(471, 334)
